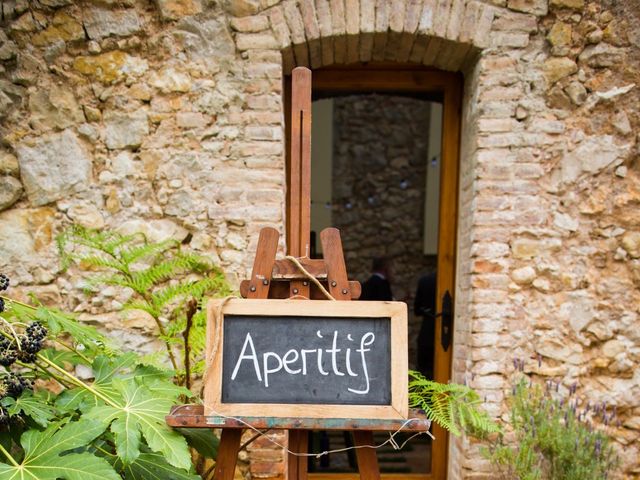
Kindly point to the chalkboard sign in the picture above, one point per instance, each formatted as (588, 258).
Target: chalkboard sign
(299, 358)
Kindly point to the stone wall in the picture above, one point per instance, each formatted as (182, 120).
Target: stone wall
(379, 167)
(167, 117)
(550, 179)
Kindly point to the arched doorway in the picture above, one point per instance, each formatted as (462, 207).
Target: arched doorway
(445, 89)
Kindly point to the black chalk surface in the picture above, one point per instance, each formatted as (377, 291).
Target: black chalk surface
(306, 360)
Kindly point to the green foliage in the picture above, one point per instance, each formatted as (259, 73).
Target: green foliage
(34, 405)
(167, 282)
(151, 466)
(555, 438)
(44, 459)
(454, 407)
(111, 426)
(122, 410)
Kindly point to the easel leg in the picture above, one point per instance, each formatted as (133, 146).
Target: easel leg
(228, 454)
(367, 459)
(297, 466)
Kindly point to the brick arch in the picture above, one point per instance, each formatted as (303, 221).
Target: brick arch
(440, 33)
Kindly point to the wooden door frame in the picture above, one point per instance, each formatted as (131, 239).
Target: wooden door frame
(446, 86)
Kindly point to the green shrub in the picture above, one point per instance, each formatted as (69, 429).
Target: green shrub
(555, 438)
(56, 424)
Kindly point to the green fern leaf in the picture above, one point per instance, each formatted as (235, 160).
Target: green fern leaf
(452, 406)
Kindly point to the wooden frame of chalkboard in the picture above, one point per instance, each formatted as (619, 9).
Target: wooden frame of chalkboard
(355, 364)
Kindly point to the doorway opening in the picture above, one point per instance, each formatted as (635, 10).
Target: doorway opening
(376, 177)
(384, 162)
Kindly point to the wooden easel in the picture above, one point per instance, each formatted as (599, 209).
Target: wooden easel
(331, 270)
(271, 278)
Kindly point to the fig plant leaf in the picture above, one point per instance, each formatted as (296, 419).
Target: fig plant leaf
(153, 466)
(31, 404)
(137, 407)
(44, 459)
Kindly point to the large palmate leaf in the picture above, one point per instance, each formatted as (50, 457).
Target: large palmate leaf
(34, 405)
(105, 369)
(152, 466)
(58, 322)
(141, 412)
(43, 459)
(62, 358)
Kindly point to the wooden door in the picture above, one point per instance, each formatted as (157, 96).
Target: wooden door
(439, 86)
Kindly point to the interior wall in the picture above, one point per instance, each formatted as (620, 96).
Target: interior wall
(379, 176)
(321, 167)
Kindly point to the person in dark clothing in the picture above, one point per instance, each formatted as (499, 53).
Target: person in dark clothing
(425, 306)
(378, 286)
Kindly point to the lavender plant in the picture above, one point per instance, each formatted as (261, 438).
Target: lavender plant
(556, 437)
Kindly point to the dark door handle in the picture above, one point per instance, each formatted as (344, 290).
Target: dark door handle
(447, 320)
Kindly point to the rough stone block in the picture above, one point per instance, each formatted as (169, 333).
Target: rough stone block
(516, 22)
(295, 23)
(352, 18)
(560, 34)
(602, 55)
(259, 132)
(456, 18)
(280, 28)
(536, 7)
(170, 80)
(308, 12)
(509, 39)
(175, 9)
(484, 22)
(55, 108)
(396, 11)
(468, 25)
(9, 164)
(246, 41)
(63, 27)
(124, 130)
(204, 39)
(53, 166)
(558, 68)
(338, 18)
(191, 120)
(100, 22)
(10, 191)
(242, 8)
(110, 66)
(441, 17)
(571, 4)
(426, 24)
(25, 233)
(252, 24)
(412, 16)
(367, 16)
